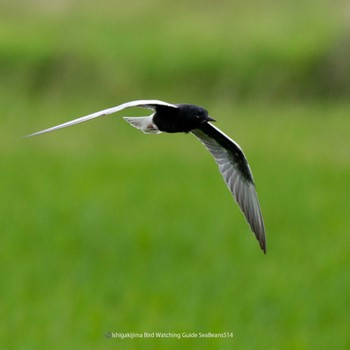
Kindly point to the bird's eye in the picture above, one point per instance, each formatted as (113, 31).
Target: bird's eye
(197, 116)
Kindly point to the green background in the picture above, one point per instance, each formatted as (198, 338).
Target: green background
(104, 229)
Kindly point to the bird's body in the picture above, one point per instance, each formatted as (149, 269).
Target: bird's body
(178, 118)
(175, 118)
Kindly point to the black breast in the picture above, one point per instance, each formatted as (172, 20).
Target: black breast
(171, 120)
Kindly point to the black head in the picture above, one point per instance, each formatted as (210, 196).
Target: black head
(194, 116)
(182, 119)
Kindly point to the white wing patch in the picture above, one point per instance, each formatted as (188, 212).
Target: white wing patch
(149, 104)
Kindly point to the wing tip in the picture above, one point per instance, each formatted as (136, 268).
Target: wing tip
(261, 237)
(34, 134)
(262, 243)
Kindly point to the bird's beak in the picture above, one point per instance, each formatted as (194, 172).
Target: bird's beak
(210, 119)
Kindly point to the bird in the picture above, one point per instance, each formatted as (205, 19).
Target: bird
(188, 118)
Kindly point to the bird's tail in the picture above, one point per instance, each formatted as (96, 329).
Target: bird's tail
(145, 124)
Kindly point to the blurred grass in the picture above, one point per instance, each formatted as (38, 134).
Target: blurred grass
(231, 51)
(106, 229)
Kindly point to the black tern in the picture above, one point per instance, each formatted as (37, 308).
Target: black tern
(187, 118)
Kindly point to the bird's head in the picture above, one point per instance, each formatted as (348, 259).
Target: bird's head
(195, 115)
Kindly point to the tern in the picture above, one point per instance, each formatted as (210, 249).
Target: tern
(188, 118)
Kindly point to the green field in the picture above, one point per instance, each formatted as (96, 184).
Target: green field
(105, 229)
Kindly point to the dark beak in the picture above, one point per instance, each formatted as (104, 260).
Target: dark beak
(210, 119)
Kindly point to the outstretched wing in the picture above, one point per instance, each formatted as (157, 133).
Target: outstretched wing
(236, 172)
(150, 104)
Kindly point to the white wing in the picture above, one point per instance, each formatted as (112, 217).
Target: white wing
(150, 104)
(237, 175)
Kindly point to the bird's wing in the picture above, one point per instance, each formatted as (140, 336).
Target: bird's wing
(236, 172)
(150, 104)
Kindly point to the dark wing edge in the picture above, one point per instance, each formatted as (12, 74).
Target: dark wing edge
(235, 170)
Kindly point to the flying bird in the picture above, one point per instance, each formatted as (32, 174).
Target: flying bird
(187, 118)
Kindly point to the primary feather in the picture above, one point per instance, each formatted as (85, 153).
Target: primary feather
(150, 104)
(236, 172)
